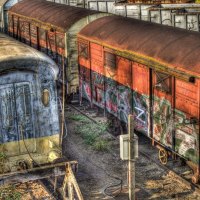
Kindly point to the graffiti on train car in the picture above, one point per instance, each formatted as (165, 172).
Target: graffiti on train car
(141, 112)
(98, 89)
(124, 103)
(162, 121)
(186, 136)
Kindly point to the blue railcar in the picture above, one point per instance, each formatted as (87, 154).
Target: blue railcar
(29, 116)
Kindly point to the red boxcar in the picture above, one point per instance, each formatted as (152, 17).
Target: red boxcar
(148, 70)
(52, 28)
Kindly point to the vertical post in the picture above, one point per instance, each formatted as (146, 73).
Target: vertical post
(55, 183)
(70, 191)
(131, 162)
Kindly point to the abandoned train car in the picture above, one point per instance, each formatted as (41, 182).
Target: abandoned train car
(150, 71)
(29, 118)
(52, 28)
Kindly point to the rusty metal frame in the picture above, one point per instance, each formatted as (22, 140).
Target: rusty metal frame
(69, 182)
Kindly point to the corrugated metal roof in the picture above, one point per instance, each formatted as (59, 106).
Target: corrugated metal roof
(174, 47)
(16, 54)
(54, 14)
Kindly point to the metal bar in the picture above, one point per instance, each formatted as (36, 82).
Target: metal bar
(63, 100)
(71, 182)
(70, 191)
(49, 166)
(131, 162)
(160, 17)
(186, 22)
(97, 6)
(125, 10)
(55, 183)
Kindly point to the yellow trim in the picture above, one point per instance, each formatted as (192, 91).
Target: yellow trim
(39, 151)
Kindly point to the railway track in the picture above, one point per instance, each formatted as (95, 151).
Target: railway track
(54, 193)
(181, 173)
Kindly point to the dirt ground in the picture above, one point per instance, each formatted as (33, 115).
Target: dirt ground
(103, 175)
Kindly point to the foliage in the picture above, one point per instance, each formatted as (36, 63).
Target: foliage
(2, 156)
(91, 133)
(10, 193)
(78, 117)
(101, 145)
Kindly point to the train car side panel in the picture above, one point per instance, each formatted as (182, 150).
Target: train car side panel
(111, 91)
(97, 67)
(141, 100)
(162, 108)
(84, 70)
(124, 81)
(187, 119)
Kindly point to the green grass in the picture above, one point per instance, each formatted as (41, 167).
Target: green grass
(91, 133)
(77, 117)
(3, 157)
(10, 193)
(101, 145)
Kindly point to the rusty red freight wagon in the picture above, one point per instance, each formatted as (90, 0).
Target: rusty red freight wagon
(52, 28)
(152, 71)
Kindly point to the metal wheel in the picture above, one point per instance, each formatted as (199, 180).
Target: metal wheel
(163, 156)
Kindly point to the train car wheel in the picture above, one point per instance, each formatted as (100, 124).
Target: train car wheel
(163, 156)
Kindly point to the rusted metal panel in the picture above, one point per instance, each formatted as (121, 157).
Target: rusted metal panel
(140, 95)
(162, 108)
(187, 98)
(98, 92)
(96, 56)
(85, 83)
(140, 78)
(50, 14)
(34, 36)
(83, 54)
(97, 67)
(187, 119)
(124, 71)
(42, 40)
(152, 44)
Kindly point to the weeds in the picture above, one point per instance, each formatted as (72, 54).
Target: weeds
(101, 145)
(3, 156)
(91, 132)
(78, 118)
(10, 193)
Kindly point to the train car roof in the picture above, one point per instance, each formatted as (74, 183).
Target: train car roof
(167, 48)
(2, 2)
(14, 54)
(50, 13)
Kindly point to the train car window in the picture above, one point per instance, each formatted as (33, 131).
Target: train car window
(110, 59)
(83, 50)
(45, 97)
(163, 82)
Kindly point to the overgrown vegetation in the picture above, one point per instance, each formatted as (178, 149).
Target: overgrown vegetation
(9, 193)
(2, 156)
(92, 134)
